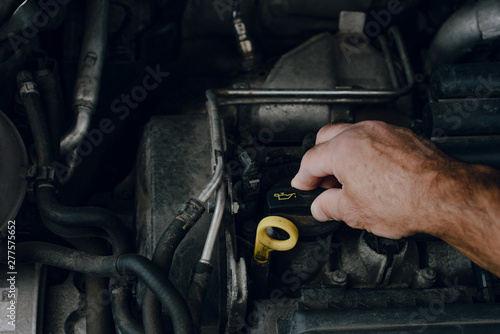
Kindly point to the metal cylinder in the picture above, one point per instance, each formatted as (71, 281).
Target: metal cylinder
(13, 169)
(88, 80)
(473, 23)
(466, 80)
(464, 118)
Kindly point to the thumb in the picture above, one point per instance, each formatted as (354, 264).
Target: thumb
(325, 206)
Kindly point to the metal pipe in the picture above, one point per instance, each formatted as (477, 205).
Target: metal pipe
(213, 230)
(231, 101)
(388, 60)
(255, 96)
(202, 272)
(213, 183)
(72, 139)
(216, 136)
(473, 23)
(245, 45)
(88, 82)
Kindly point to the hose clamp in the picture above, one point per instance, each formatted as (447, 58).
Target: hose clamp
(41, 174)
(190, 213)
(28, 87)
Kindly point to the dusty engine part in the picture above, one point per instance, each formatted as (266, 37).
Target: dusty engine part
(241, 248)
(325, 62)
(27, 292)
(173, 164)
(13, 168)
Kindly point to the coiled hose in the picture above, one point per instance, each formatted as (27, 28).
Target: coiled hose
(71, 222)
(110, 266)
(67, 222)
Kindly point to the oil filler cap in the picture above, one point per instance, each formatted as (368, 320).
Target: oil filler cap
(284, 201)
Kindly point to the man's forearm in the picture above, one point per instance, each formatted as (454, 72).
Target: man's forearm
(471, 222)
(392, 183)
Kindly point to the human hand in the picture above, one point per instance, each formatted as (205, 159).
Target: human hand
(382, 178)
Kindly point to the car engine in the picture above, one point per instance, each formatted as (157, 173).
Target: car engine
(147, 150)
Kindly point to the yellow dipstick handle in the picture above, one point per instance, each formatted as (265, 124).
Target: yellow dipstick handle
(264, 244)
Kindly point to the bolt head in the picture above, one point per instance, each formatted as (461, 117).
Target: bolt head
(339, 276)
(235, 207)
(429, 274)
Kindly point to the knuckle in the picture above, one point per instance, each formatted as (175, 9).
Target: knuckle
(326, 131)
(373, 126)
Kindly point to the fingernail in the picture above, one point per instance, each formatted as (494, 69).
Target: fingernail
(293, 183)
(319, 214)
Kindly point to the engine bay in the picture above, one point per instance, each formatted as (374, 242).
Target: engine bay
(147, 150)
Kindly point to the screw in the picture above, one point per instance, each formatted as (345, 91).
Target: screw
(339, 276)
(429, 274)
(235, 207)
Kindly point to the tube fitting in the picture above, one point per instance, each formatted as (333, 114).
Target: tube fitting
(88, 82)
(473, 23)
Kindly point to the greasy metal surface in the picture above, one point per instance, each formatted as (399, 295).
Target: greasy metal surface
(216, 140)
(471, 24)
(395, 320)
(318, 71)
(275, 316)
(237, 287)
(13, 168)
(173, 165)
(88, 82)
(379, 264)
(28, 300)
(64, 307)
(307, 67)
(365, 268)
(350, 67)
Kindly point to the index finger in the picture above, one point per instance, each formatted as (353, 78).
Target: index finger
(316, 164)
(331, 130)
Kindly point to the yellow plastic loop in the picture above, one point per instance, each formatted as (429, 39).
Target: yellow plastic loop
(264, 244)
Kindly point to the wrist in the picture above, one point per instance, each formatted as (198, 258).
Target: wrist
(469, 216)
(456, 192)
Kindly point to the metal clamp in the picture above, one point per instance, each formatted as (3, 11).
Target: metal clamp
(41, 174)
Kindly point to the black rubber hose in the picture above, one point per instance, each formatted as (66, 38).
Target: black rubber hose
(66, 221)
(124, 320)
(164, 255)
(465, 80)
(36, 115)
(134, 264)
(50, 91)
(7, 8)
(85, 217)
(163, 289)
(63, 257)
